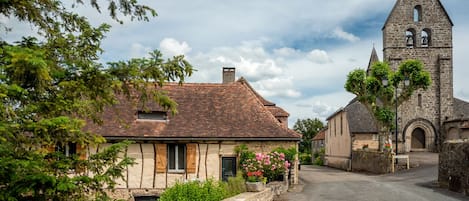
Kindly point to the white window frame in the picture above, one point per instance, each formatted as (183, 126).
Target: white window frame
(176, 169)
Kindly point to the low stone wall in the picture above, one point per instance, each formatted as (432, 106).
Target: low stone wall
(337, 162)
(374, 162)
(272, 189)
(453, 172)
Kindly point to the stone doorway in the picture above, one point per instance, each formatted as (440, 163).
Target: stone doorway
(419, 135)
(418, 139)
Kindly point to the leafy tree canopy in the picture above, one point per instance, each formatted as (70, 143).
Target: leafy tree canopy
(380, 99)
(308, 128)
(52, 86)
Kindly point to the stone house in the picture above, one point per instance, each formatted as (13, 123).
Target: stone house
(198, 142)
(348, 129)
(454, 154)
(317, 143)
(419, 30)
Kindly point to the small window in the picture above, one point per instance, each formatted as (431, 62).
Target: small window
(176, 157)
(146, 198)
(410, 38)
(420, 100)
(341, 118)
(425, 38)
(418, 13)
(68, 150)
(153, 115)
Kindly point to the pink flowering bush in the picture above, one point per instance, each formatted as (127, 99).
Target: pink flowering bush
(270, 166)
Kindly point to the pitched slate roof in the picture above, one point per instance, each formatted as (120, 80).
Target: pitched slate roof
(359, 118)
(205, 111)
(460, 109)
(373, 59)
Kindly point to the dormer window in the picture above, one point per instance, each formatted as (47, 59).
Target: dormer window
(152, 115)
(418, 13)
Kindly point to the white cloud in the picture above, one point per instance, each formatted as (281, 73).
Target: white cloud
(319, 56)
(282, 48)
(341, 34)
(280, 87)
(137, 50)
(285, 52)
(171, 47)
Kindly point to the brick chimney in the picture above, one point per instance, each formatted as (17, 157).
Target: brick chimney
(228, 74)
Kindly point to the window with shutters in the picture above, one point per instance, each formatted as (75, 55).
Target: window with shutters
(176, 157)
(68, 150)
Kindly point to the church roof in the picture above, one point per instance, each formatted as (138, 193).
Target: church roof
(399, 1)
(373, 59)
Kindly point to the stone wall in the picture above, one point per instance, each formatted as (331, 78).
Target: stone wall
(265, 195)
(453, 172)
(272, 189)
(374, 162)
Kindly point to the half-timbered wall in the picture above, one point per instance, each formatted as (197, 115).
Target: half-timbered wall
(150, 175)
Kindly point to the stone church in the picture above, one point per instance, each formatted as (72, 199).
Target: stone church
(422, 30)
(415, 29)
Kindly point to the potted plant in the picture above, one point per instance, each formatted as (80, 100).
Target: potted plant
(365, 147)
(255, 181)
(387, 146)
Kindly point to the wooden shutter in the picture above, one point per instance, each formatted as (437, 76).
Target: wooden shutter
(190, 158)
(161, 158)
(50, 148)
(81, 151)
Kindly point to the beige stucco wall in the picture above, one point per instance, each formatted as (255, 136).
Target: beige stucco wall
(143, 177)
(338, 142)
(362, 139)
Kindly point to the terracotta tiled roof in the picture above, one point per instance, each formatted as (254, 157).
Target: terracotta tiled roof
(277, 111)
(320, 136)
(207, 111)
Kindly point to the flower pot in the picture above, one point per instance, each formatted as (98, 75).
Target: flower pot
(255, 186)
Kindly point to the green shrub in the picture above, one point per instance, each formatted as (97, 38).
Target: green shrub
(319, 157)
(195, 191)
(235, 185)
(319, 161)
(289, 153)
(305, 158)
(243, 153)
(315, 154)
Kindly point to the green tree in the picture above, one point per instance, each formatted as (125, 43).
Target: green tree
(380, 99)
(308, 128)
(52, 86)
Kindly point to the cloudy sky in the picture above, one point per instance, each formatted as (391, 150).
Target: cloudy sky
(295, 53)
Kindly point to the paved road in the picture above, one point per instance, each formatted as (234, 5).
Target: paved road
(416, 184)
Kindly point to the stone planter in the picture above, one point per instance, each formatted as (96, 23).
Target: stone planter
(255, 186)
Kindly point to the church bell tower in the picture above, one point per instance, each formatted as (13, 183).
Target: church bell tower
(422, 30)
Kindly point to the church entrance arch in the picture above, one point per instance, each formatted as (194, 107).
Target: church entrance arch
(418, 139)
(419, 135)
